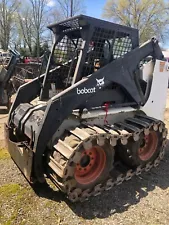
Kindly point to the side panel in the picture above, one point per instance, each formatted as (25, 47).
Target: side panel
(156, 103)
(26, 93)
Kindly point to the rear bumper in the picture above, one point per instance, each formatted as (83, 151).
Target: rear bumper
(22, 156)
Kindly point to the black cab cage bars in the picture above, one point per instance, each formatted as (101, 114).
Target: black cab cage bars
(80, 43)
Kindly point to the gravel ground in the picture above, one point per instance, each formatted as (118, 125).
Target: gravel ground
(142, 200)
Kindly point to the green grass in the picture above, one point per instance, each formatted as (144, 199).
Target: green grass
(4, 154)
(8, 190)
(11, 194)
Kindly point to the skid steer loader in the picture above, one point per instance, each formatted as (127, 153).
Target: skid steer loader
(95, 118)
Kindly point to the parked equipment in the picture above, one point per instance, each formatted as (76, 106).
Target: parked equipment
(25, 72)
(6, 72)
(98, 118)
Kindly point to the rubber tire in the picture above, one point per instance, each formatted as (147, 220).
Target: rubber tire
(109, 151)
(132, 158)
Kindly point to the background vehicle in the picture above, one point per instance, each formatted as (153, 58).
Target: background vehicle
(4, 57)
(98, 120)
(6, 87)
(25, 72)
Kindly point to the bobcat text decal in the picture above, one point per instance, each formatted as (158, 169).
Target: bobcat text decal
(100, 83)
(86, 91)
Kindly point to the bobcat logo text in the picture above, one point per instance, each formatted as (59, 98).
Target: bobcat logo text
(100, 83)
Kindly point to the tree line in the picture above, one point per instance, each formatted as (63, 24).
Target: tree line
(23, 24)
(150, 17)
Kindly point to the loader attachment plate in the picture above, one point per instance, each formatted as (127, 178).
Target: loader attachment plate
(21, 155)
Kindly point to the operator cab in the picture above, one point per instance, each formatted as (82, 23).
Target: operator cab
(83, 45)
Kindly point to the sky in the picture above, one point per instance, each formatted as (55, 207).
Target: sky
(94, 8)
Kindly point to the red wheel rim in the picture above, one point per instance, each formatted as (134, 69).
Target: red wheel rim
(91, 165)
(149, 146)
